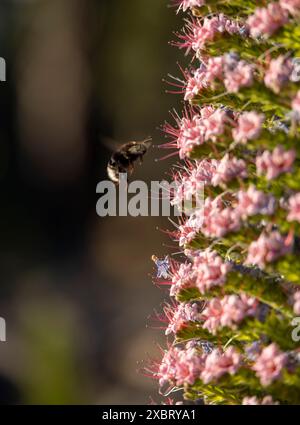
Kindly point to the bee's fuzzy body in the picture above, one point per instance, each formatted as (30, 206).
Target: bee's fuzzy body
(124, 159)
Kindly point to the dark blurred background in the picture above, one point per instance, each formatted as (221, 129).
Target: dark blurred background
(75, 289)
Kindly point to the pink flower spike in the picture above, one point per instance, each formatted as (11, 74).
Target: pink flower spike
(249, 127)
(275, 163)
(269, 364)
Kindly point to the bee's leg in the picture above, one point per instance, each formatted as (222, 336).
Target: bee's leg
(130, 170)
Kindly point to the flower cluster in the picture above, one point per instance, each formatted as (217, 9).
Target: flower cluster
(269, 364)
(186, 365)
(180, 316)
(218, 219)
(200, 128)
(219, 363)
(267, 20)
(228, 311)
(198, 33)
(268, 248)
(207, 270)
(207, 172)
(252, 202)
(278, 73)
(272, 164)
(248, 127)
(208, 125)
(180, 366)
(228, 70)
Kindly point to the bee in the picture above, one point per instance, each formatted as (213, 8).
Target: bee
(124, 158)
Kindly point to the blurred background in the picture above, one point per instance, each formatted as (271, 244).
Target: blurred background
(76, 289)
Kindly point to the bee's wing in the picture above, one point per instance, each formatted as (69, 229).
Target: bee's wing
(110, 143)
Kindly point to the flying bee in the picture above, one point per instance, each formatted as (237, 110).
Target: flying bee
(123, 159)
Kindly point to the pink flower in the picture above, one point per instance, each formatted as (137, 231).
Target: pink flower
(180, 316)
(195, 83)
(291, 6)
(198, 33)
(210, 270)
(190, 185)
(217, 364)
(228, 311)
(294, 208)
(204, 33)
(204, 171)
(278, 73)
(227, 169)
(214, 68)
(180, 366)
(252, 401)
(191, 134)
(265, 21)
(188, 4)
(214, 124)
(206, 111)
(269, 364)
(218, 220)
(184, 277)
(253, 201)
(212, 315)
(249, 127)
(189, 229)
(275, 163)
(239, 77)
(268, 248)
(297, 302)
